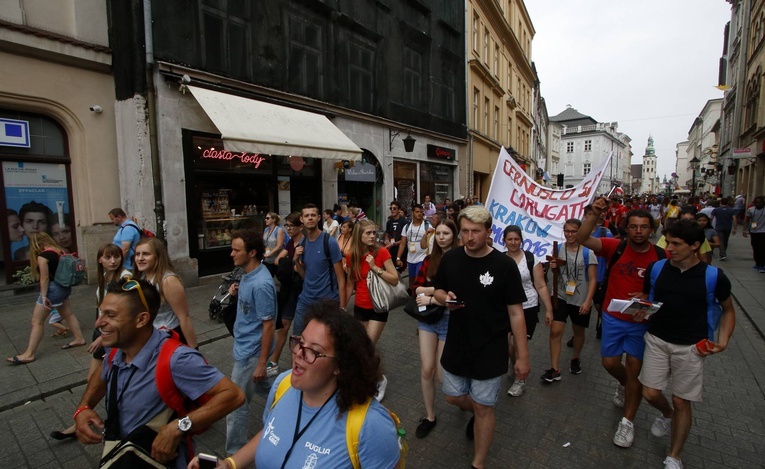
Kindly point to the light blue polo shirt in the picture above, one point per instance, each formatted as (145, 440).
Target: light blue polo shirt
(256, 303)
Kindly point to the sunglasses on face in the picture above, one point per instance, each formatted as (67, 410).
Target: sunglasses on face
(131, 285)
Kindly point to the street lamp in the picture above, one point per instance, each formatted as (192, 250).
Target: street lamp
(694, 166)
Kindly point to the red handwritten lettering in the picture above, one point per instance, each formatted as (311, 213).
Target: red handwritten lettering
(244, 157)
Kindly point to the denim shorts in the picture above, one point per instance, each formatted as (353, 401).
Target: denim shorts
(439, 328)
(484, 392)
(56, 294)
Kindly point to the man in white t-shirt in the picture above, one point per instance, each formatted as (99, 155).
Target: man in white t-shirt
(411, 236)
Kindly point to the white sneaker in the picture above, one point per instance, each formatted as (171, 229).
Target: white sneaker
(625, 434)
(661, 426)
(516, 390)
(272, 369)
(381, 389)
(618, 399)
(672, 463)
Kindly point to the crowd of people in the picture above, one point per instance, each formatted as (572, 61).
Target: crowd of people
(488, 304)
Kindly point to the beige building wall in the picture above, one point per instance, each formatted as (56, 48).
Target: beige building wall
(55, 62)
(500, 81)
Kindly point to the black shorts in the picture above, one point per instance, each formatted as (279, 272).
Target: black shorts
(566, 311)
(531, 315)
(364, 315)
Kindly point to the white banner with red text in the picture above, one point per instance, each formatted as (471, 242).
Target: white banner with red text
(516, 199)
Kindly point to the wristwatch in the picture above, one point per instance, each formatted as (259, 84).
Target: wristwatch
(380, 272)
(184, 424)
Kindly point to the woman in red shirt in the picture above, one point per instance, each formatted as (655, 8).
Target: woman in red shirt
(366, 254)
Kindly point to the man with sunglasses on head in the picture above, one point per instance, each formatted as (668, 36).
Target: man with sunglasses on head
(256, 308)
(627, 261)
(129, 383)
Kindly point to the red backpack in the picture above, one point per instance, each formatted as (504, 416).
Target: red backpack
(168, 391)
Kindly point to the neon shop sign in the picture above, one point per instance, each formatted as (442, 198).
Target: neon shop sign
(253, 159)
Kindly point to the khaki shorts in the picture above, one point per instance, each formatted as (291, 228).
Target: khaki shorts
(663, 360)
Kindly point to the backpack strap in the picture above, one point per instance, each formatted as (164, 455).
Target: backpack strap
(164, 378)
(332, 283)
(655, 271)
(617, 254)
(529, 262)
(714, 310)
(356, 416)
(284, 385)
(586, 254)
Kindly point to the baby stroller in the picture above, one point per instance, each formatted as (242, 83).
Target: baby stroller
(222, 306)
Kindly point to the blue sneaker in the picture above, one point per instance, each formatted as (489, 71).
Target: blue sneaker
(762, 270)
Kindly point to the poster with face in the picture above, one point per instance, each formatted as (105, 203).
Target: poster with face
(37, 199)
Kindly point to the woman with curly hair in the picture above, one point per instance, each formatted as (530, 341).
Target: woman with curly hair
(43, 260)
(152, 263)
(334, 369)
(368, 256)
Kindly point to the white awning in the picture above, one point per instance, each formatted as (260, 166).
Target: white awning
(251, 126)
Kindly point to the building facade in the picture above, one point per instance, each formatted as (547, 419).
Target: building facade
(703, 144)
(385, 81)
(499, 88)
(585, 143)
(58, 128)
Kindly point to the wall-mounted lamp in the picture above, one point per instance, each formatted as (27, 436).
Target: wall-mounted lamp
(408, 141)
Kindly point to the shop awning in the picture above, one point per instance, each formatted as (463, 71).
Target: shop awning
(256, 127)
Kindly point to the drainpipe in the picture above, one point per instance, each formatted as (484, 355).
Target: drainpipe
(151, 101)
(470, 167)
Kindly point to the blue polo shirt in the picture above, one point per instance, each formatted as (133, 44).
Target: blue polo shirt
(256, 303)
(138, 398)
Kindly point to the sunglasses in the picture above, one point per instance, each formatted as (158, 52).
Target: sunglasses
(131, 285)
(268, 218)
(309, 355)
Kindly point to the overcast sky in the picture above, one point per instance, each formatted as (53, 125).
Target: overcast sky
(650, 65)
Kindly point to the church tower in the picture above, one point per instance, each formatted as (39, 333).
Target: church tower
(649, 183)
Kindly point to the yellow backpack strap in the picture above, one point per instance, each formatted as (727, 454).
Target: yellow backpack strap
(284, 385)
(356, 416)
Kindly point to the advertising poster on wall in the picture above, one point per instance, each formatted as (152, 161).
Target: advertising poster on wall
(37, 199)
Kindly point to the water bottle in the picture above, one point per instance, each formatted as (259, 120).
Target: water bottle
(403, 447)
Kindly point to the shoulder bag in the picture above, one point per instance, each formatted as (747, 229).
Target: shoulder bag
(385, 297)
(430, 315)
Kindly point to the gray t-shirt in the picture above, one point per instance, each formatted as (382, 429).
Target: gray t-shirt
(574, 271)
(756, 216)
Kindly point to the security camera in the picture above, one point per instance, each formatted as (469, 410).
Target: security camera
(185, 79)
(97, 109)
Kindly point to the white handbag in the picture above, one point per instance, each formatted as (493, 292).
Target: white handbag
(385, 297)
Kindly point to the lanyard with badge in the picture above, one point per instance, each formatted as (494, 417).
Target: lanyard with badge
(412, 244)
(571, 283)
(753, 224)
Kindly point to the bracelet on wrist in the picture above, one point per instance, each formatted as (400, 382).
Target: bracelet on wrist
(79, 409)
(231, 462)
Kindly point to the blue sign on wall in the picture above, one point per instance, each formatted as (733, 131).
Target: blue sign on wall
(14, 133)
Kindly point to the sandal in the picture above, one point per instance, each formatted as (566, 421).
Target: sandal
(71, 345)
(17, 361)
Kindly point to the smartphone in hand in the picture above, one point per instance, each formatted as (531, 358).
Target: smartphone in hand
(207, 461)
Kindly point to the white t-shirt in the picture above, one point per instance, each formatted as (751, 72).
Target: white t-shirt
(414, 235)
(329, 225)
(532, 297)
